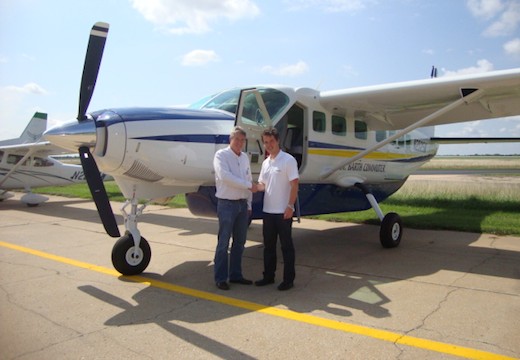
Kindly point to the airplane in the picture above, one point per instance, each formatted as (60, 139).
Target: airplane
(354, 147)
(25, 163)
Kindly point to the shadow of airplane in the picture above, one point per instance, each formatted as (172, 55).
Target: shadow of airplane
(346, 261)
(167, 311)
(426, 252)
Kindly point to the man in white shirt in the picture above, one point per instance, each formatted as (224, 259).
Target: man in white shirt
(235, 185)
(279, 180)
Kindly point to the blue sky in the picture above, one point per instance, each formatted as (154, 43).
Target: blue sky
(162, 53)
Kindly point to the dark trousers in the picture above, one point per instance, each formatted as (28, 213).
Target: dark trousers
(275, 226)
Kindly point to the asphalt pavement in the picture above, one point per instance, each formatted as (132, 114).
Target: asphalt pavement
(439, 295)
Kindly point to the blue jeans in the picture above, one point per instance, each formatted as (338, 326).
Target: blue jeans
(233, 219)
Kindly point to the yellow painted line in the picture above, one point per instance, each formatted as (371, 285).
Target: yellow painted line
(389, 336)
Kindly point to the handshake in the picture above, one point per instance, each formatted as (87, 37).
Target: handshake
(255, 187)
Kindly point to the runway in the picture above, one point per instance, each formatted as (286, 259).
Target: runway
(439, 295)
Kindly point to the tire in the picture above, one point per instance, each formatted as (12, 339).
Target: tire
(391, 231)
(124, 259)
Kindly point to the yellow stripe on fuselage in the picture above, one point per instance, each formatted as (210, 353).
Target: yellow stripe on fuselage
(350, 153)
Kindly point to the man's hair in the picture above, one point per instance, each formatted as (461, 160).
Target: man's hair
(271, 132)
(237, 130)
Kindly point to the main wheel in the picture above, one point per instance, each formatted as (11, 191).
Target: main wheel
(126, 260)
(391, 231)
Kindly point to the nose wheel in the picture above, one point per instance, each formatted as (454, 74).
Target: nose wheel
(128, 258)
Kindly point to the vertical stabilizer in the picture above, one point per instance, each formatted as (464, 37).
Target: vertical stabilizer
(34, 129)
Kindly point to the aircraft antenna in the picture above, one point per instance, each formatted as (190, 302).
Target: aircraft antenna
(433, 74)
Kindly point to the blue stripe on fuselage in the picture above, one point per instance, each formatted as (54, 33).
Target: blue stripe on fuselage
(113, 116)
(138, 114)
(189, 138)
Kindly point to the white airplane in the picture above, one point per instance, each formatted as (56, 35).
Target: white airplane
(25, 164)
(354, 147)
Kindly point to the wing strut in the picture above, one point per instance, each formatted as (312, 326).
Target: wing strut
(17, 165)
(468, 96)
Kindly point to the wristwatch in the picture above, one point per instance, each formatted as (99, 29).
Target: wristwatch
(290, 207)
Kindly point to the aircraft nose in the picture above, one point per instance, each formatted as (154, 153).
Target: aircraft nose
(72, 135)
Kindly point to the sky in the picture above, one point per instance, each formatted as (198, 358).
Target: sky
(174, 52)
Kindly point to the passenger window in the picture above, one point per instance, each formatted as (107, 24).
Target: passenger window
(14, 159)
(360, 128)
(318, 121)
(339, 125)
(380, 135)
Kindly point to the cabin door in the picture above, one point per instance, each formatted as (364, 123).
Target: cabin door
(253, 117)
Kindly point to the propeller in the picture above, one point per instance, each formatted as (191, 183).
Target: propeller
(98, 191)
(96, 45)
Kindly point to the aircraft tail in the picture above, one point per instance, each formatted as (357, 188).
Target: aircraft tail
(34, 129)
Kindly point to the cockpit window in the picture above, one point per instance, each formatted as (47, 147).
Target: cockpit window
(275, 101)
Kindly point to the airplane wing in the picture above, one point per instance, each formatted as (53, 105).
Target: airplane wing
(461, 140)
(42, 149)
(399, 105)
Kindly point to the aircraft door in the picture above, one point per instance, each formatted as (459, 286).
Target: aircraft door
(253, 117)
(293, 138)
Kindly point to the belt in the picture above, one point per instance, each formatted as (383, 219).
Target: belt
(232, 200)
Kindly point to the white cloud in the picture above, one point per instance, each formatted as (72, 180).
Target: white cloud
(485, 9)
(482, 67)
(503, 14)
(507, 23)
(30, 88)
(512, 47)
(193, 16)
(287, 70)
(199, 57)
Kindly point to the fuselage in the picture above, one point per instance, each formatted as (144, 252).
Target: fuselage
(161, 152)
(36, 171)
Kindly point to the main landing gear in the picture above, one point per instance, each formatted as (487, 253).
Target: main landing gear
(391, 229)
(131, 254)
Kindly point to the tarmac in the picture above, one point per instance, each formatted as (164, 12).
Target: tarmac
(439, 295)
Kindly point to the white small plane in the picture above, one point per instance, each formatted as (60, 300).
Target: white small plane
(354, 147)
(25, 164)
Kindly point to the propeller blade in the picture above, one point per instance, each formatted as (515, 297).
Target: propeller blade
(99, 194)
(96, 45)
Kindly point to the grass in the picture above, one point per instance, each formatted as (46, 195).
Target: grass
(483, 204)
(481, 208)
(473, 162)
(82, 191)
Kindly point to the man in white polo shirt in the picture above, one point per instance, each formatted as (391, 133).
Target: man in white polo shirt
(279, 180)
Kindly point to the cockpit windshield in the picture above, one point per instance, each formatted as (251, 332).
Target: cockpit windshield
(275, 101)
